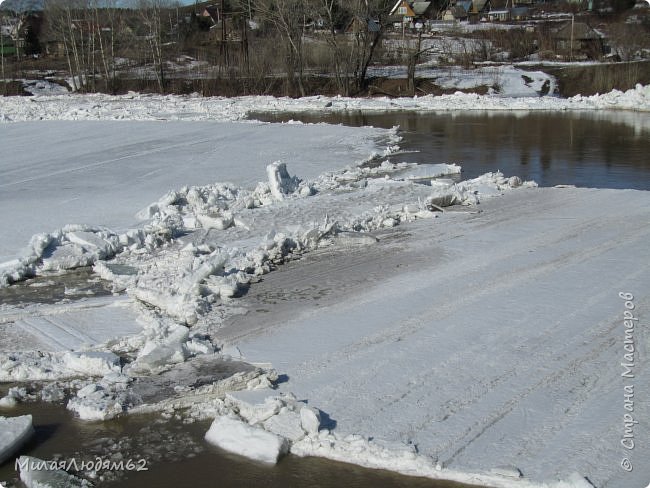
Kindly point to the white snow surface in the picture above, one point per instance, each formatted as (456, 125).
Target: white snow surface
(83, 324)
(503, 81)
(14, 432)
(489, 339)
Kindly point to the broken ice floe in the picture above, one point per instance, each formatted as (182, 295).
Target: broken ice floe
(39, 473)
(179, 269)
(240, 438)
(14, 432)
(204, 244)
(38, 365)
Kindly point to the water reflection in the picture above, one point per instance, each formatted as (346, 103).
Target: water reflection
(589, 149)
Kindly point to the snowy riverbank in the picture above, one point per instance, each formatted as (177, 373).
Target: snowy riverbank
(159, 107)
(462, 330)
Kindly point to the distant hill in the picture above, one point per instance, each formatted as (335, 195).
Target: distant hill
(22, 5)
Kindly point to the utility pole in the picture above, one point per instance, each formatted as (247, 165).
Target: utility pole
(571, 43)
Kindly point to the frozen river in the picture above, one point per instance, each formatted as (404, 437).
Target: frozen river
(486, 337)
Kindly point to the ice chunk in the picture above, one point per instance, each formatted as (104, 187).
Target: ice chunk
(93, 242)
(14, 432)
(159, 353)
(255, 405)
(280, 182)
(219, 222)
(92, 363)
(427, 171)
(37, 473)
(286, 424)
(94, 402)
(442, 199)
(240, 438)
(310, 419)
(8, 402)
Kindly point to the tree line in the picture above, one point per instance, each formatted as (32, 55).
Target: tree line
(101, 43)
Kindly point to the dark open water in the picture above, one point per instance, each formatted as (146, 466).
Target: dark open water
(588, 149)
(177, 456)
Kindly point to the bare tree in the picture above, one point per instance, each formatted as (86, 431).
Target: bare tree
(2, 58)
(107, 18)
(64, 26)
(158, 18)
(362, 23)
(151, 17)
(288, 19)
(413, 59)
(629, 40)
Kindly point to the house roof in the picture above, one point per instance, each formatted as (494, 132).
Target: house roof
(406, 5)
(581, 31)
(466, 5)
(479, 5)
(212, 11)
(458, 12)
(371, 24)
(419, 8)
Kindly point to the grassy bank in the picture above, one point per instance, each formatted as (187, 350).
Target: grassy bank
(600, 78)
(572, 80)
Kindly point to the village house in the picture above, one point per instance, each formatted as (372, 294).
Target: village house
(222, 28)
(499, 15)
(576, 40)
(407, 13)
(461, 10)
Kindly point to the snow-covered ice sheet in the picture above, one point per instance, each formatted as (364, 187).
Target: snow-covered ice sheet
(40, 473)
(103, 173)
(487, 339)
(86, 323)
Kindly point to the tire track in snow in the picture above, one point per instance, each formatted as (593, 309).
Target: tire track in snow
(497, 285)
(63, 336)
(566, 374)
(45, 176)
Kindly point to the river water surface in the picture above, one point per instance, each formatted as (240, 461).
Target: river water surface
(587, 149)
